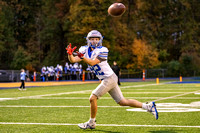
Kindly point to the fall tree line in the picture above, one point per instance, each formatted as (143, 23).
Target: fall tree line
(152, 34)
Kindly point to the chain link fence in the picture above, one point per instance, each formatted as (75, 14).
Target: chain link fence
(14, 75)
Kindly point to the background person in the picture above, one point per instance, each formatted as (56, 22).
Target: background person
(23, 77)
(116, 70)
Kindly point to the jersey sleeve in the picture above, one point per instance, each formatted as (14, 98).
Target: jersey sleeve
(82, 49)
(103, 54)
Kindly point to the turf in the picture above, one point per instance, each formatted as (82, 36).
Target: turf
(65, 106)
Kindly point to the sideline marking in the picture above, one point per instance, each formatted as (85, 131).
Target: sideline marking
(107, 125)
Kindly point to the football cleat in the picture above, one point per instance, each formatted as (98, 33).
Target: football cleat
(19, 89)
(152, 109)
(87, 125)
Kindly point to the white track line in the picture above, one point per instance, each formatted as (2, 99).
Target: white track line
(107, 125)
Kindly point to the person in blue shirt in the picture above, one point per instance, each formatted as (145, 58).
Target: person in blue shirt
(23, 77)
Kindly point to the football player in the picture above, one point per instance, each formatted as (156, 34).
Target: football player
(96, 55)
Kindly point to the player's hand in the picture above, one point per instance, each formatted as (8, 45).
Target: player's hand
(69, 49)
(80, 55)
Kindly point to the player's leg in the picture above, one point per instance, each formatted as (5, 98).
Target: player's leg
(91, 124)
(130, 102)
(20, 85)
(101, 89)
(24, 88)
(93, 106)
(118, 97)
(23, 84)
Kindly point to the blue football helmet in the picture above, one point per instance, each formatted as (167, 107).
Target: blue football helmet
(97, 34)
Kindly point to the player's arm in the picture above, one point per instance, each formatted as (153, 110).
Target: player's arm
(74, 59)
(91, 62)
(87, 60)
(71, 57)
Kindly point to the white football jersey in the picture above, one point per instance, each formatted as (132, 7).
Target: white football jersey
(103, 69)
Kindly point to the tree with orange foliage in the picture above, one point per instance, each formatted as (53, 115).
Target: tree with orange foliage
(144, 55)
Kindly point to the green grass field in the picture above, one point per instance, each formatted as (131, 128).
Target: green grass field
(61, 108)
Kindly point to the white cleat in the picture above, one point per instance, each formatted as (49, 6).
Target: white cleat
(87, 125)
(19, 89)
(152, 109)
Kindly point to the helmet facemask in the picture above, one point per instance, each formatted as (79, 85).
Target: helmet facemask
(95, 43)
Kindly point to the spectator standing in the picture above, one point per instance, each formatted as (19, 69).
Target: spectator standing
(116, 70)
(66, 69)
(23, 77)
(80, 70)
(88, 73)
(43, 73)
(60, 72)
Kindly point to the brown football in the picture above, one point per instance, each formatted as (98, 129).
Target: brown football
(116, 9)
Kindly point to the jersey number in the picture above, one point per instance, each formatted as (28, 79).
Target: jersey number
(97, 70)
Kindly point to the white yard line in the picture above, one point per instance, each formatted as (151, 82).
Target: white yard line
(161, 89)
(79, 98)
(107, 125)
(36, 96)
(149, 92)
(140, 85)
(26, 106)
(75, 92)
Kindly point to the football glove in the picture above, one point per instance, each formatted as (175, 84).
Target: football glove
(80, 55)
(69, 49)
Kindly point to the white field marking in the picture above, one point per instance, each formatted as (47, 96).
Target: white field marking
(197, 93)
(24, 106)
(193, 104)
(148, 92)
(168, 110)
(173, 107)
(141, 85)
(3, 99)
(78, 98)
(161, 89)
(105, 125)
(172, 97)
(36, 96)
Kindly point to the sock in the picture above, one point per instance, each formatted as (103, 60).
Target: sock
(144, 106)
(92, 120)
